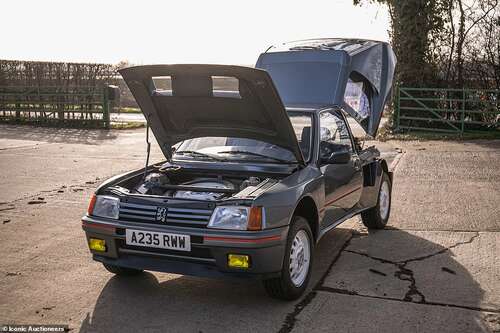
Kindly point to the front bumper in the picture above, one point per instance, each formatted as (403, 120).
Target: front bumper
(208, 255)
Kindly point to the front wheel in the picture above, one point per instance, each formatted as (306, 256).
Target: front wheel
(297, 263)
(377, 217)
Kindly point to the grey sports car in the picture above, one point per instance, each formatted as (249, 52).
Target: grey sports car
(254, 176)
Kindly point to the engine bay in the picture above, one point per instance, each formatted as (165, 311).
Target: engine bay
(178, 183)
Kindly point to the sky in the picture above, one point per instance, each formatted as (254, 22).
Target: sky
(175, 31)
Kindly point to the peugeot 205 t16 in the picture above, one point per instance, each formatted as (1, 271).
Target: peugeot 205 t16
(253, 177)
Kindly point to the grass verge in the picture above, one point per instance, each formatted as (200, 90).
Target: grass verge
(127, 125)
(130, 110)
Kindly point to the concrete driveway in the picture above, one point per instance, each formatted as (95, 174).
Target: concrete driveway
(434, 270)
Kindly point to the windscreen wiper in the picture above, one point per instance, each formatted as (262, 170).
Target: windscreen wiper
(255, 154)
(197, 153)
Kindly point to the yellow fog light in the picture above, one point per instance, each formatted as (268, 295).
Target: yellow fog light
(238, 261)
(97, 244)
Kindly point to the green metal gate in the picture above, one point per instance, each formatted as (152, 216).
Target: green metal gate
(68, 106)
(446, 110)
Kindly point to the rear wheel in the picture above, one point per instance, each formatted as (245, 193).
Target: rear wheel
(122, 270)
(297, 263)
(377, 217)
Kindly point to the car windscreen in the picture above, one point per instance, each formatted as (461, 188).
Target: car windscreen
(243, 149)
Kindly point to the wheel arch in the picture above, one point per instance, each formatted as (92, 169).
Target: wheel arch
(307, 208)
(385, 168)
(372, 180)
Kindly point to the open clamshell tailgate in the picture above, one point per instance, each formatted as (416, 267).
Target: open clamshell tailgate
(322, 72)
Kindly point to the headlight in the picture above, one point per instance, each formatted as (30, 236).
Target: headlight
(106, 206)
(229, 217)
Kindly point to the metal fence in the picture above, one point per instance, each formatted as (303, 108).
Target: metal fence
(447, 110)
(68, 106)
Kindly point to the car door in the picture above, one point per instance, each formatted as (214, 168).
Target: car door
(342, 182)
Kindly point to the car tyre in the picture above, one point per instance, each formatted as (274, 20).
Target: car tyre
(298, 257)
(125, 271)
(377, 217)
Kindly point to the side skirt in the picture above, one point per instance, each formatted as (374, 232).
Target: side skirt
(340, 221)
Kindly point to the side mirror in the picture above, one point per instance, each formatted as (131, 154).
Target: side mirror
(339, 157)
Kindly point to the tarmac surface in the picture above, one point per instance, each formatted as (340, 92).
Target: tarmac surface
(434, 269)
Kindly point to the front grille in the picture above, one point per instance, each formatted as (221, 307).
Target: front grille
(186, 217)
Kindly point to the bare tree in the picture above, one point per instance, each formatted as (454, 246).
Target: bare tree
(471, 15)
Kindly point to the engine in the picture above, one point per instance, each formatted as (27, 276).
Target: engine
(153, 184)
(215, 184)
(160, 184)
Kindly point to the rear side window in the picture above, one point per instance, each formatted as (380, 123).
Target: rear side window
(357, 97)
